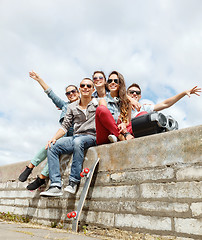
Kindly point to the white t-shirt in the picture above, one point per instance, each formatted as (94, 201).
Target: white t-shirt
(145, 108)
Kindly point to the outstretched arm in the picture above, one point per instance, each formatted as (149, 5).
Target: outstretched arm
(59, 103)
(37, 78)
(170, 101)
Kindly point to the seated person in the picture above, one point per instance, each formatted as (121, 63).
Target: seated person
(72, 94)
(82, 113)
(113, 113)
(134, 91)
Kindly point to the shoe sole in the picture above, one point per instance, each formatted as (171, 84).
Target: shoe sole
(22, 180)
(34, 188)
(69, 191)
(51, 195)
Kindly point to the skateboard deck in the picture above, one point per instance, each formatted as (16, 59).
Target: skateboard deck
(76, 214)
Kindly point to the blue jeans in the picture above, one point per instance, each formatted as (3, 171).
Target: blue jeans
(42, 155)
(76, 145)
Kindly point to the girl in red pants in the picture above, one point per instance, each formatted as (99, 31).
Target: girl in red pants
(114, 112)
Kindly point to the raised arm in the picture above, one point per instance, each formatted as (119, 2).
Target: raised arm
(170, 101)
(37, 78)
(59, 103)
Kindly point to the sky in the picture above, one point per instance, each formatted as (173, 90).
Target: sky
(157, 44)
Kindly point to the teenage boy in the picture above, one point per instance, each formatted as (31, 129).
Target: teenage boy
(82, 113)
(134, 91)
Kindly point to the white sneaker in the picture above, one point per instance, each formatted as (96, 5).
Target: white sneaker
(71, 188)
(112, 138)
(52, 192)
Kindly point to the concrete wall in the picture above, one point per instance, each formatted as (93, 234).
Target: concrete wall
(150, 184)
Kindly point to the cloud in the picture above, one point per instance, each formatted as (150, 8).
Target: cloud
(157, 44)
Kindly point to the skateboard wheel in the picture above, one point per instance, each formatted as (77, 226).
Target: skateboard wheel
(86, 170)
(73, 214)
(69, 215)
(82, 174)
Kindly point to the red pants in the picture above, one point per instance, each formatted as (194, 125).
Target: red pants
(105, 125)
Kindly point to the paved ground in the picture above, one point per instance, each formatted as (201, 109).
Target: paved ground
(20, 231)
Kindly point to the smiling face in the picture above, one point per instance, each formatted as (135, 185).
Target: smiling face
(113, 84)
(99, 80)
(86, 87)
(72, 93)
(134, 92)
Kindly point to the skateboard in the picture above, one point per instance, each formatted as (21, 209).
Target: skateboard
(75, 215)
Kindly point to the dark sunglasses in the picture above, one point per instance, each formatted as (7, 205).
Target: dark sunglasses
(69, 92)
(87, 85)
(113, 80)
(133, 91)
(96, 78)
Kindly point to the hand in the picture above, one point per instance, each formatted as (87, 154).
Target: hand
(135, 104)
(34, 75)
(195, 90)
(53, 141)
(122, 128)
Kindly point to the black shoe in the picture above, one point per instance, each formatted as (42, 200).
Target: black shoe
(25, 174)
(37, 183)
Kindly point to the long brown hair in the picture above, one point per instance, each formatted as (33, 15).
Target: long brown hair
(124, 102)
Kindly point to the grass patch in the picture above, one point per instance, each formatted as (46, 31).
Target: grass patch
(14, 218)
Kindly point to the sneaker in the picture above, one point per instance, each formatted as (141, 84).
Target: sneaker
(52, 192)
(25, 174)
(36, 183)
(112, 138)
(71, 188)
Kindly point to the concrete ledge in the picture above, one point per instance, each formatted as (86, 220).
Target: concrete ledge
(150, 184)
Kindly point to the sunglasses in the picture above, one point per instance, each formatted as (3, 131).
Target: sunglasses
(133, 91)
(69, 92)
(87, 85)
(113, 80)
(96, 78)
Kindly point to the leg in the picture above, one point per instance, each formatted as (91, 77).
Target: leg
(80, 144)
(39, 157)
(39, 180)
(44, 172)
(105, 125)
(62, 146)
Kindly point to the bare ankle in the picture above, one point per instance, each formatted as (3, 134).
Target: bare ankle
(31, 165)
(42, 176)
(121, 137)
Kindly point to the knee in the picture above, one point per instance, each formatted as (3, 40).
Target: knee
(52, 149)
(78, 143)
(101, 110)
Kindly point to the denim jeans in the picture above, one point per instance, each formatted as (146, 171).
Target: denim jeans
(42, 155)
(76, 145)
